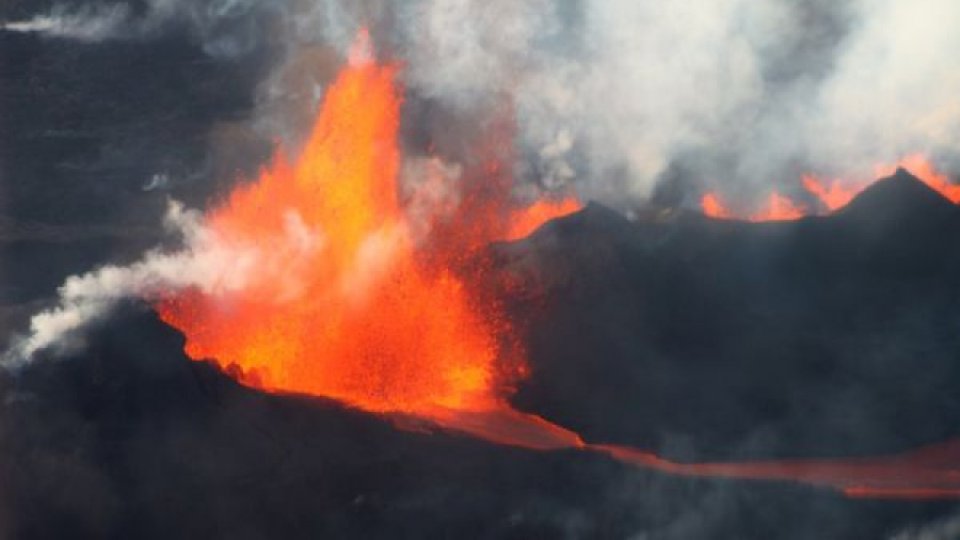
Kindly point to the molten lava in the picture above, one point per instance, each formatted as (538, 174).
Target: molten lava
(714, 207)
(338, 303)
(833, 195)
(778, 208)
(537, 214)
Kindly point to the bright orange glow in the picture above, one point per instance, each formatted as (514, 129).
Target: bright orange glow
(530, 218)
(353, 313)
(922, 168)
(834, 197)
(713, 207)
(778, 208)
(837, 193)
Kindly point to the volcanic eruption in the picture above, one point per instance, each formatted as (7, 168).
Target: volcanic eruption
(534, 279)
(348, 306)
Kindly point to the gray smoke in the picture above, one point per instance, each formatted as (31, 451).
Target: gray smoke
(610, 95)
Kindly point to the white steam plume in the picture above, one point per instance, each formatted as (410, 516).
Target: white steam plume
(225, 28)
(895, 86)
(88, 24)
(748, 87)
(207, 262)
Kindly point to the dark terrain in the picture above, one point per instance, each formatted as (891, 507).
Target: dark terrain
(130, 439)
(687, 336)
(826, 336)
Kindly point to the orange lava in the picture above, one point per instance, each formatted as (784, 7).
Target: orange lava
(835, 194)
(779, 208)
(713, 207)
(834, 197)
(931, 472)
(776, 208)
(339, 303)
(920, 166)
(538, 213)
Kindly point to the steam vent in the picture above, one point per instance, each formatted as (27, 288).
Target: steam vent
(479, 269)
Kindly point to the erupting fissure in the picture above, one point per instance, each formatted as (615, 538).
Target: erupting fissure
(829, 196)
(343, 300)
(335, 295)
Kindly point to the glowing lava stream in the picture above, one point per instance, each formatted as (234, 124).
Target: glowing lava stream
(335, 296)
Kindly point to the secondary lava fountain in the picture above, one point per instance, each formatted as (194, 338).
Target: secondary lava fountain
(335, 295)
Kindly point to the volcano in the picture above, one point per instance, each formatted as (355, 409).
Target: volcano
(695, 338)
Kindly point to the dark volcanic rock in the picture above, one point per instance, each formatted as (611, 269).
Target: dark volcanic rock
(130, 439)
(706, 339)
(897, 199)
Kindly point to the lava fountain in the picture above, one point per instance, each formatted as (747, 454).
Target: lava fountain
(345, 303)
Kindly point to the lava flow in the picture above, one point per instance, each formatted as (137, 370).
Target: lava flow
(830, 196)
(334, 295)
